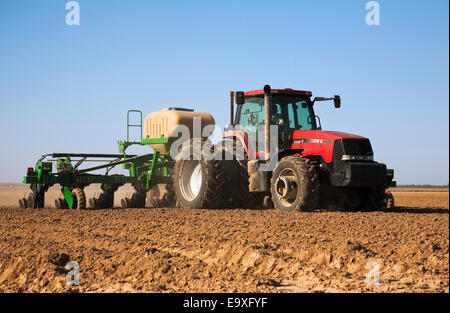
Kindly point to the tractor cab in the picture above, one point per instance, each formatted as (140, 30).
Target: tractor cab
(290, 109)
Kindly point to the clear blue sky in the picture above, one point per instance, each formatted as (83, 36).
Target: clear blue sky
(67, 88)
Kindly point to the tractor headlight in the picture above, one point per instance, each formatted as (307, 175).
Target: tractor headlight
(347, 157)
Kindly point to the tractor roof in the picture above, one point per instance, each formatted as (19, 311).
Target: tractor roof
(286, 91)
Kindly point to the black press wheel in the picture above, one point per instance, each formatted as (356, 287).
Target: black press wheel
(160, 196)
(61, 204)
(23, 203)
(79, 199)
(390, 204)
(32, 201)
(38, 194)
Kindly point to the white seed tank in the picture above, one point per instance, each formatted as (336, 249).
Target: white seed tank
(164, 122)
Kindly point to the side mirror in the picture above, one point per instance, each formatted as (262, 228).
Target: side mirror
(239, 97)
(337, 101)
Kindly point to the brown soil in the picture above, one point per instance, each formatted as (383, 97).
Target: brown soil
(181, 250)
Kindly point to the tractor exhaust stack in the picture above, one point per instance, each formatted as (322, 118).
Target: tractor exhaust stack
(231, 108)
(267, 113)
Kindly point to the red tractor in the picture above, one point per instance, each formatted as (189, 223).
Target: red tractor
(296, 167)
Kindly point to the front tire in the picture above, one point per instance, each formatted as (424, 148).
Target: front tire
(376, 199)
(295, 184)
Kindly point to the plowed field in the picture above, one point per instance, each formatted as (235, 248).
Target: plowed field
(405, 249)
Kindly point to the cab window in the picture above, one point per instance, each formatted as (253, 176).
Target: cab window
(251, 113)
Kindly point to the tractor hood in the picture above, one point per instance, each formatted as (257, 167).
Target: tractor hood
(323, 135)
(317, 142)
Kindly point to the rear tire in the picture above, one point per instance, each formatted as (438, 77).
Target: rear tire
(237, 194)
(295, 184)
(198, 183)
